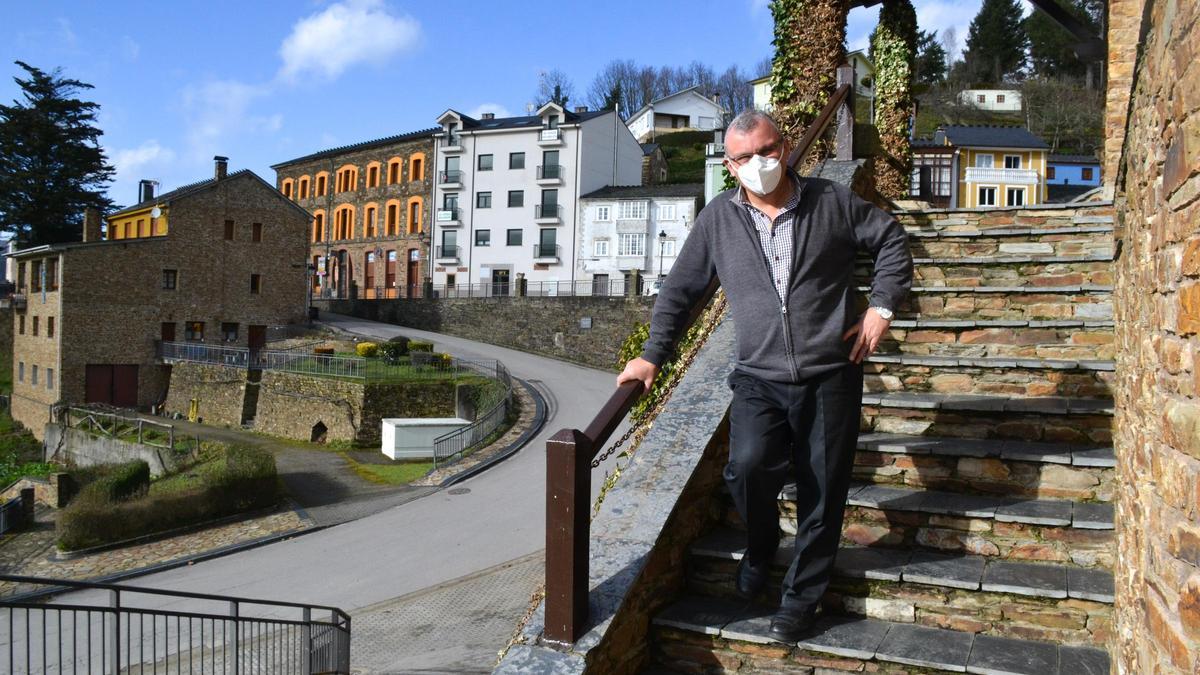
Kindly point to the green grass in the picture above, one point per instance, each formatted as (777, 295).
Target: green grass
(20, 453)
(192, 478)
(400, 473)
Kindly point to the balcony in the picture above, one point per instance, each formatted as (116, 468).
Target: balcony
(549, 174)
(978, 174)
(448, 217)
(452, 144)
(714, 149)
(547, 214)
(14, 301)
(546, 253)
(450, 179)
(550, 137)
(447, 254)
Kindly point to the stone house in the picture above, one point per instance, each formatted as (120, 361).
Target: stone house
(370, 220)
(654, 164)
(216, 262)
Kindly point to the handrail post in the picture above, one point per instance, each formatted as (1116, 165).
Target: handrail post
(233, 613)
(306, 640)
(114, 635)
(844, 138)
(568, 489)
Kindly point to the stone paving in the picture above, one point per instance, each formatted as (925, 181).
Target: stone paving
(32, 552)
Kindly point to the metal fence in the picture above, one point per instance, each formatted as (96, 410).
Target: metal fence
(13, 515)
(614, 288)
(452, 446)
(108, 628)
(296, 360)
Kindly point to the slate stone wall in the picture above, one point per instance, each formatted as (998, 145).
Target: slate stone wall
(219, 389)
(1157, 301)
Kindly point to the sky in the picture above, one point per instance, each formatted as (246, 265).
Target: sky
(264, 81)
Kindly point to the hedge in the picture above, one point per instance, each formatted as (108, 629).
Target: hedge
(367, 349)
(420, 346)
(120, 481)
(392, 352)
(246, 481)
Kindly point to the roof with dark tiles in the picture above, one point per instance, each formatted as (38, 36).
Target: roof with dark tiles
(987, 136)
(365, 145)
(647, 191)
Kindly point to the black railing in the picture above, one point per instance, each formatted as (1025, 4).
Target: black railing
(569, 453)
(99, 629)
(453, 141)
(549, 171)
(450, 177)
(546, 250)
(547, 211)
(447, 251)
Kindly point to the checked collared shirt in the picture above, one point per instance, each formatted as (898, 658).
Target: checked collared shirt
(775, 238)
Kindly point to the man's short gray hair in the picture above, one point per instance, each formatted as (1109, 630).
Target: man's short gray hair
(749, 119)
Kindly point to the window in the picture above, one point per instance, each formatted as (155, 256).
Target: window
(303, 188)
(516, 160)
(600, 248)
(369, 229)
(393, 171)
(984, 161)
(631, 244)
(987, 196)
(416, 167)
(256, 232)
(999, 98)
(667, 247)
(631, 210)
(35, 276)
(49, 326)
(21, 276)
(255, 283)
(516, 198)
(287, 189)
(229, 332)
(228, 230)
(52, 273)
(1087, 173)
(666, 212)
(1015, 197)
(483, 200)
(129, 230)
(321, 186)
(450, 281)
(414, 216)
(392, 226)
(1012, 161)
(21, 324)
(603, 213)
(318, 226)
(35, 325)
(981, 98)
(143, 228)
(193, 330)
(483, 237)
(514, 238)
(33, 374)
(49, 378)
(1050, 173)
(372, 176)
(21, 371)
(485, 162)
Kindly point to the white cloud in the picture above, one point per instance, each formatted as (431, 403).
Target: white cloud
(218, 111)
(496, 108)
(343, 35)
(65, 33)
(130, 49)
(130, 161)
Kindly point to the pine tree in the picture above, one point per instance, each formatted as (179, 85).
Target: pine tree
(996, 42)
(612, 98)
(51, 164)
(931, 59)
(1052, 47)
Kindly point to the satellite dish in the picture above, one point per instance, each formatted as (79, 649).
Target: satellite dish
(155, 212)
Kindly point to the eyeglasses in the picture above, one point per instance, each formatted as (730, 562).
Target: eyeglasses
(773, 150)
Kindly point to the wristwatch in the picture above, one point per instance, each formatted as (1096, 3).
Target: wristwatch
(884, 312)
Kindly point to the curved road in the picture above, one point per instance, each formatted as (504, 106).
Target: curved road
(426, 542)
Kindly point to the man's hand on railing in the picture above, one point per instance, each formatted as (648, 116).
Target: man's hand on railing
(639, 370)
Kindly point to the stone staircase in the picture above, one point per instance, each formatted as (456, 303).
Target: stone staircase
(979, 532)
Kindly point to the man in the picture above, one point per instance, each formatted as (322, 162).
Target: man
(783, 248)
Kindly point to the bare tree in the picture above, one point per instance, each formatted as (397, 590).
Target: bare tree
(950, 44)
(554, 85)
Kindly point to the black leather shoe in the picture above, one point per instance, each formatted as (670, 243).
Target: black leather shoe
(751, 578)
(790, 625)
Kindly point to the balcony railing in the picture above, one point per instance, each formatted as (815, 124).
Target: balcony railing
(979, 174)
(447, 215)
(447, 252)
(549, 172)
(714, 149)
(546, 250)
(569, 453)
(452, 176)
(550, 135)
(547, 211)
(453, 141)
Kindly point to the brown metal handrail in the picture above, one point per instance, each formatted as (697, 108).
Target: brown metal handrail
(570, 452)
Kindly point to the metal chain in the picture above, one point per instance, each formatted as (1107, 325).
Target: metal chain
(711, 319)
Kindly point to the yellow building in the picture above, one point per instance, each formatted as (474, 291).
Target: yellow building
(148, 218)
(995, 166)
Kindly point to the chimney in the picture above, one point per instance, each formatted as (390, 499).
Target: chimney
(91, 224)
(488, 116)
(581, 108)
(145, 191)
(222, 168)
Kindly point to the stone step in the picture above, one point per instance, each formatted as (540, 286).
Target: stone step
(887, 373)
(1053, 419)
(699, 634)
(1067, 340)
(1079, 302)
(1003, 270)
(1000, 467)
(1082, 241)
(1057, 602)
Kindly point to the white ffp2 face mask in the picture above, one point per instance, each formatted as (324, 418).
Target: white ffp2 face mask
(760, 175)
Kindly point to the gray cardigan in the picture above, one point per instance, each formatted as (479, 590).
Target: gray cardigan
(801, 337)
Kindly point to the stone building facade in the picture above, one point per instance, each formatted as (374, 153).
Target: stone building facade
(89, 315)
(369, 203)
(1154, 143)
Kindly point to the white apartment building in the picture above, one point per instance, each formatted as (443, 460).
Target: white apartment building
(506, 193)
(626, 228)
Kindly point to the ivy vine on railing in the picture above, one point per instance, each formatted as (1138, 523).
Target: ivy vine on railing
(894, 47)
(810, 37)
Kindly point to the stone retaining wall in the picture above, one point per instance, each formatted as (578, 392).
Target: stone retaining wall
(220, 391)
(81, 448)
(548, 326)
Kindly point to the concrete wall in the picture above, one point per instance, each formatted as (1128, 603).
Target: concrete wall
(547, 326)
(81, 448)
(1157, 300)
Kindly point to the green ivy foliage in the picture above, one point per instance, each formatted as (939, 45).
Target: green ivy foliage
(894, 45)
(631, 348)
(810, 37)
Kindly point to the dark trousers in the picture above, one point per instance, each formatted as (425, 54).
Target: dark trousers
(806, 431)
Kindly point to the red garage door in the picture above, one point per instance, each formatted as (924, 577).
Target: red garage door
(114, 385)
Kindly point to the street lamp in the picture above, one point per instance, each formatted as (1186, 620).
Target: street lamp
(662, 243)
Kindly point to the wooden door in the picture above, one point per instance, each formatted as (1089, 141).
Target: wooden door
(168, 331)
(257, 336)
(98, 381)
(125, 386)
